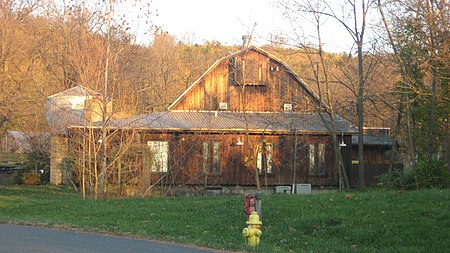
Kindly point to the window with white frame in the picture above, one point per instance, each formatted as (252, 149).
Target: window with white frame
(317, 159)
(160, 158)
(312, 159)
(211, 157)
(264, 161)
(321, 158)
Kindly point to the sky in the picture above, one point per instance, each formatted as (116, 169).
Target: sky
(198, 21)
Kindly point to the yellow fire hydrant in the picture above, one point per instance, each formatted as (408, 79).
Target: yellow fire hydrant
(252, 233)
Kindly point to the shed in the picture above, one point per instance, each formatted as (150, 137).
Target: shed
(76, 106)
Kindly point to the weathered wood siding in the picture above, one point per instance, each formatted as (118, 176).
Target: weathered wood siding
(132, 174)
(186, 160)
(372, 154)
(376, 163)
(278, 86)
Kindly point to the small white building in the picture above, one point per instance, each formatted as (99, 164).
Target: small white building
(79, 106)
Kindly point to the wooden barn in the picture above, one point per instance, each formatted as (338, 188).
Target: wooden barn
(249, 112)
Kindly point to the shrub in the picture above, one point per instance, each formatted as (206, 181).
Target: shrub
(423, 175)
(31, 178)
(38, 156)
(432, 175)
(397, 179)
(17, 177)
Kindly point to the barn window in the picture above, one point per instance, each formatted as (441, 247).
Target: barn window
(317, 159)
(312, 159)
(264, 161)
(321, 156)
(211, 157)
(160, 156)
(249, 72)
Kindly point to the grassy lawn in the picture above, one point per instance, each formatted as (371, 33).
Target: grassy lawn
(372, 221)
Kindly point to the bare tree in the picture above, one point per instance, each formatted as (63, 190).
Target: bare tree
(94, 39)
(20, 62)
(162, 73)
(321, 76)
(353, 18)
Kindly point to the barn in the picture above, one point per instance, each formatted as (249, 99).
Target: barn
(249, 121)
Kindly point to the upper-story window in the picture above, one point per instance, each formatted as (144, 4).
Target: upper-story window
(249, 72)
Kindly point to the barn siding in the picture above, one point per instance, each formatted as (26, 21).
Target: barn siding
(278, 86)
(186, 160)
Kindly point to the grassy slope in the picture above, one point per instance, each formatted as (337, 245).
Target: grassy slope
(374, 221)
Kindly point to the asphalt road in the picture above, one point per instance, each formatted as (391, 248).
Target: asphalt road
(20, 239)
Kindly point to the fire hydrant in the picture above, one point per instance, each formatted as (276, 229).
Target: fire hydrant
(252, 233)
(249, 204)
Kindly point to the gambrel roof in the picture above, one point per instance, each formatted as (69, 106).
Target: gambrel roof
(234, 122)
(258, 50)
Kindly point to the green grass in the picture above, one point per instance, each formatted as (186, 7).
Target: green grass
(372, 221)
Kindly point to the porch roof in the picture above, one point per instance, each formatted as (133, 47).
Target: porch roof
(220, 121)
(373, 140)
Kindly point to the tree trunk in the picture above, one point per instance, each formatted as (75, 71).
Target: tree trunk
(360, 111)
(294, 162)
(434, 83)
(394, 138)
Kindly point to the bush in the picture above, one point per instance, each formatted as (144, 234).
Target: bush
(423, 175)
(31, 178)
(38, 156)
(432, 175)
(17, 177)
(397, 179)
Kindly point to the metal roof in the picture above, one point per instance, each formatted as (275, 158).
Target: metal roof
(220, 121)
(78, 90)
(59, 120)
(373, 140)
